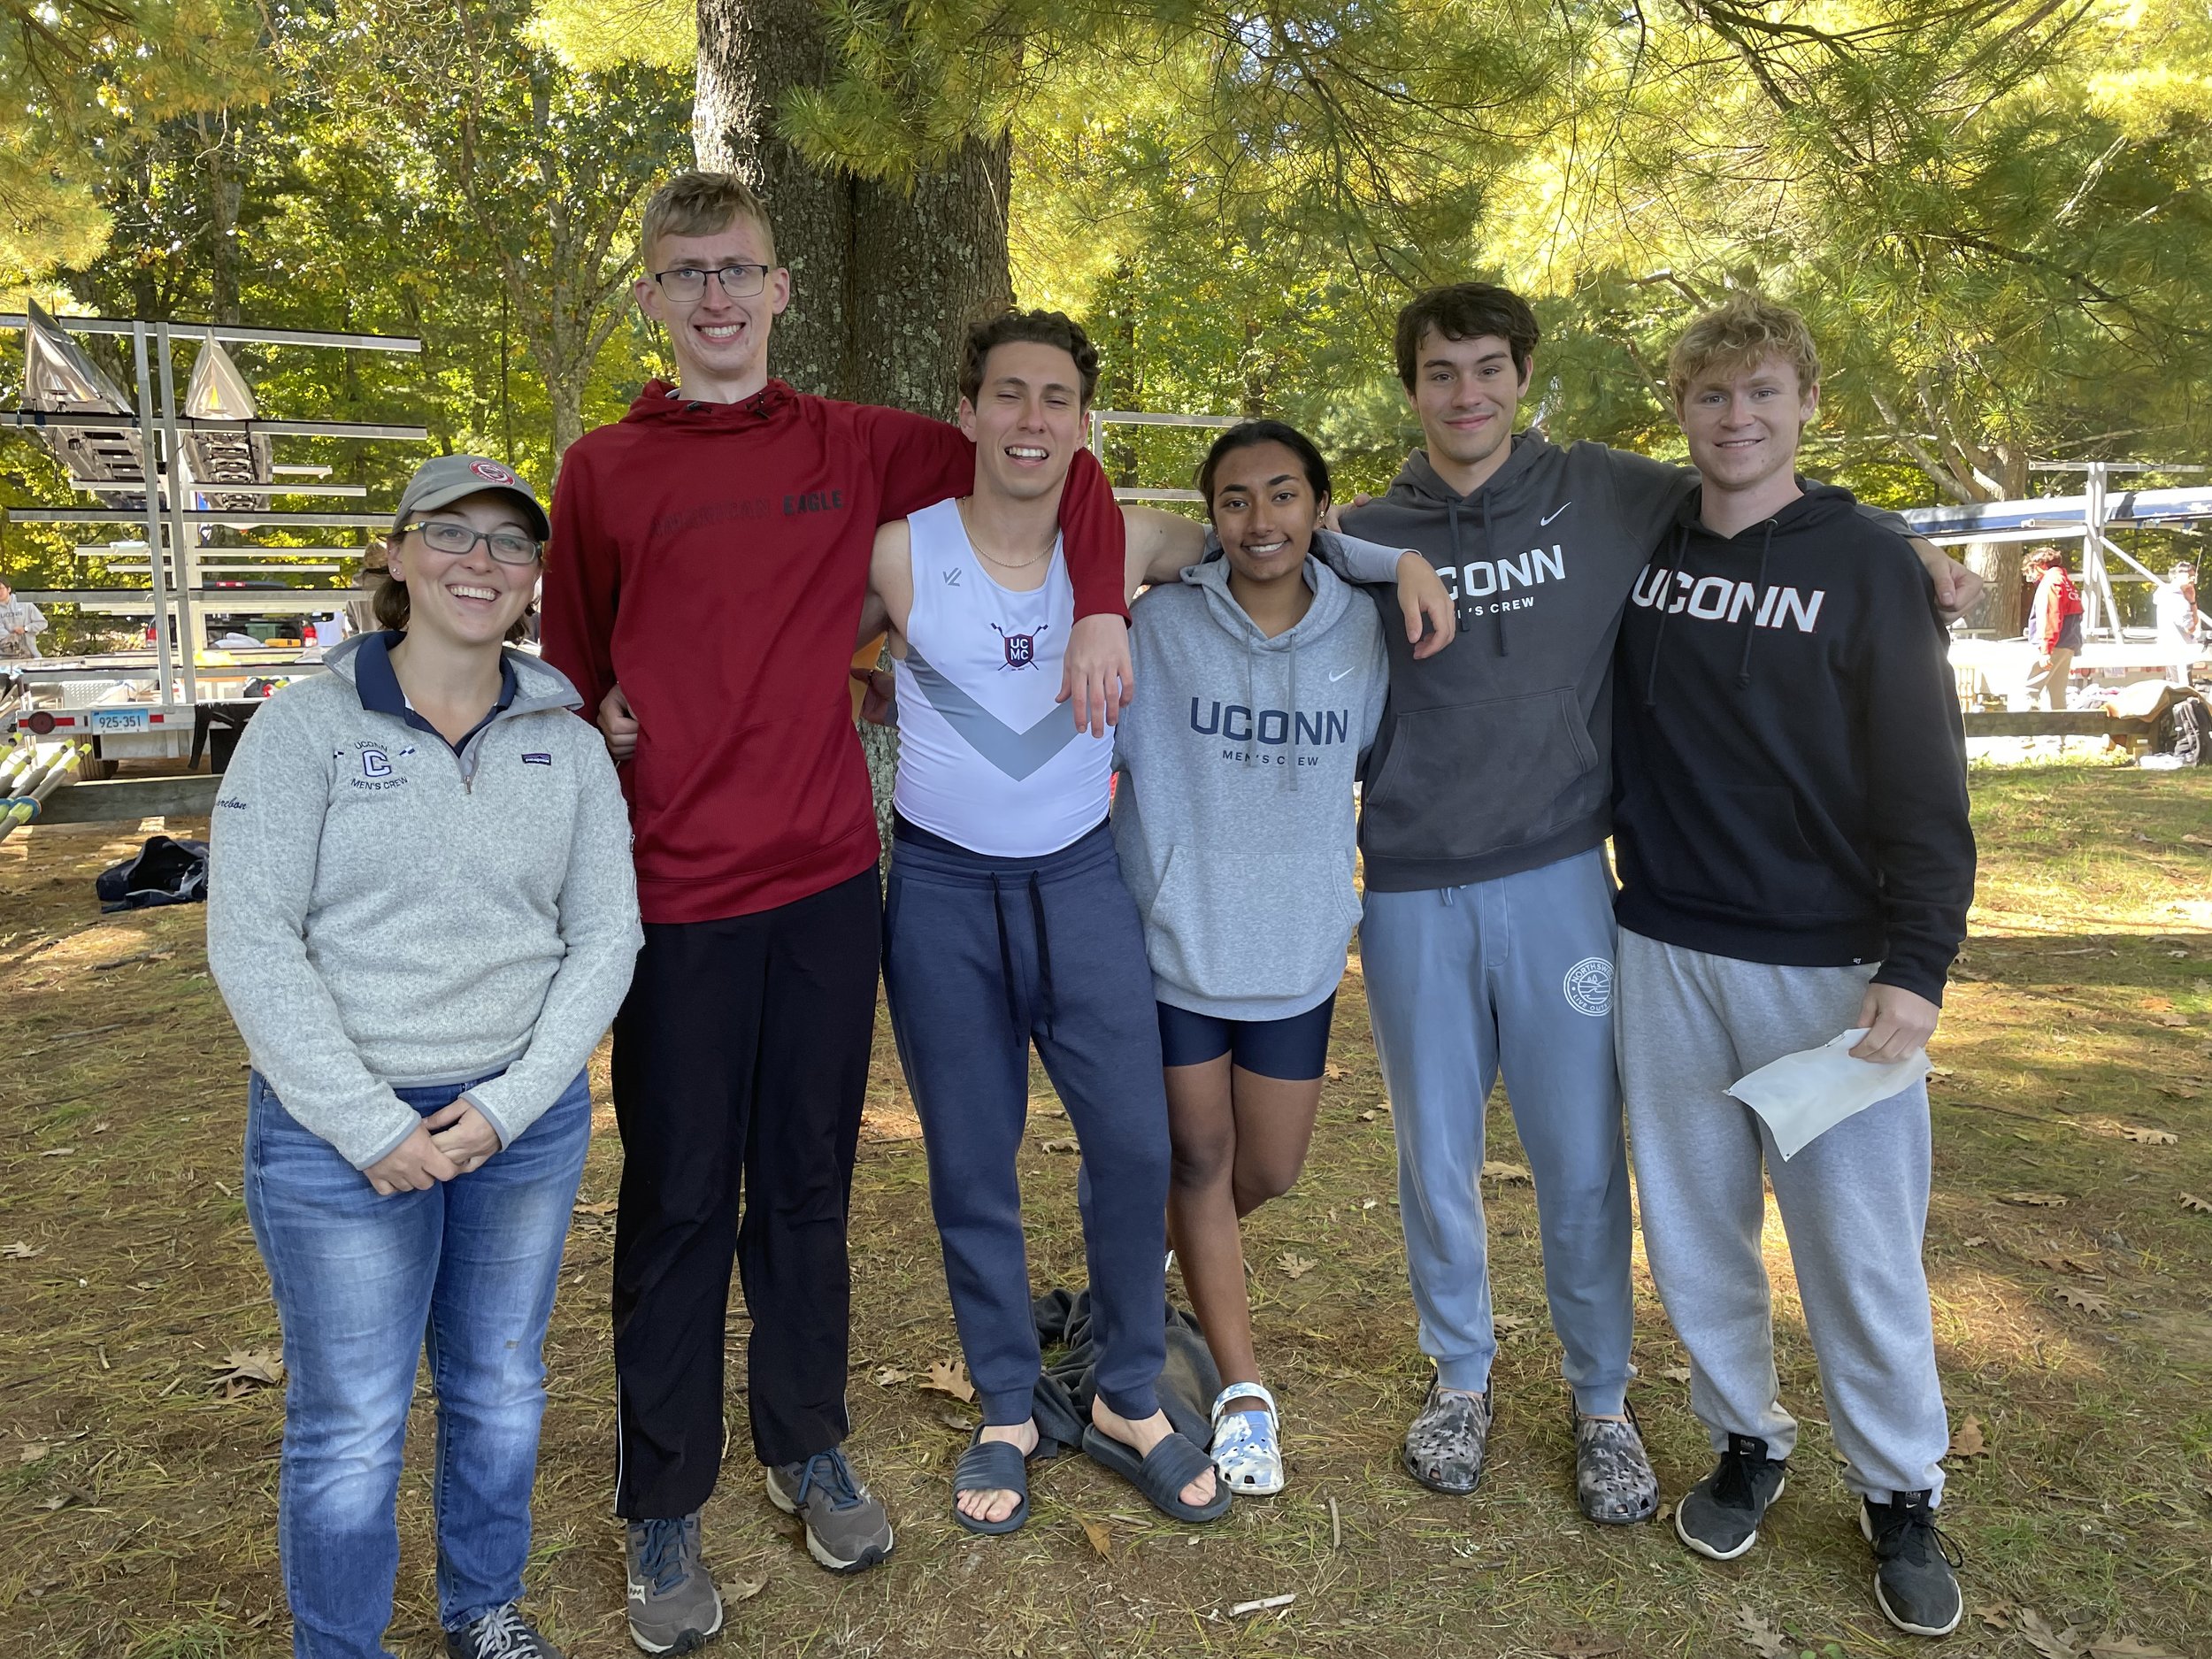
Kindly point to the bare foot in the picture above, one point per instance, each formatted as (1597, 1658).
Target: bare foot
(992, 1504)
(1142, 1437)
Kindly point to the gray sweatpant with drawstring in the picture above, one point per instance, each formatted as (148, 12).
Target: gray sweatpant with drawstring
(1854, 1203)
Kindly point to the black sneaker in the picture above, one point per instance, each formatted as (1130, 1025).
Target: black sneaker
(1719, 1516)
(1914, 1578)
(502, 1633)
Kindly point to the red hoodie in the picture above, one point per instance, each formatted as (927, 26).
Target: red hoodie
(713, 559)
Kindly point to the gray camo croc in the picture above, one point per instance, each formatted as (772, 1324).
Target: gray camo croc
(1444, 1445)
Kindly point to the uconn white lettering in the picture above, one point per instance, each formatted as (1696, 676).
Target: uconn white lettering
(1720, 599)
(1479, 578)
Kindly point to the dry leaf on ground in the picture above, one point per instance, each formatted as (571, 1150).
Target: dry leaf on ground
(2069, 1264)
(605, 1207)
(1966, 1439)
(886, 1375)
(1101, 1540)
(1584, 1648)
(2173, 1091)
(32, 1453)
(1675, 1373)
(2087, 1301)
(2189, 1201)
(1368, 1116)
(1295, 1266)
(2143, 1137)
(21, 1252)
(950, 1377)
(1507, 1326)
(741, 1589)
(2035, 1201)
(2052, 1644)
(1059, 1143)
(1766, 1642)
(1968, 1244)
(244, 1369)
(2111, 1647)
(1511, 1174)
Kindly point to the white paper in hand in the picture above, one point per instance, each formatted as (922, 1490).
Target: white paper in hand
(1804, 1095)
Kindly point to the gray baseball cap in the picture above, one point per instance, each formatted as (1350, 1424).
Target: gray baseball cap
(449, 478)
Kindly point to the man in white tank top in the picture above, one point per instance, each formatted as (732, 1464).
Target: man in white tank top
(1007, 923)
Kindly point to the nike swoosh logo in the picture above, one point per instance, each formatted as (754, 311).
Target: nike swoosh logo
(1338, 675)
(1555, 512)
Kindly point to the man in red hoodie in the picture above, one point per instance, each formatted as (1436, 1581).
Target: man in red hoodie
(710, 554)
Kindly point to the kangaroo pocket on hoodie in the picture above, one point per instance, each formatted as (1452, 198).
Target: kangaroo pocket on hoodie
(1441, 794)
(1286, 937)
(1733, 851)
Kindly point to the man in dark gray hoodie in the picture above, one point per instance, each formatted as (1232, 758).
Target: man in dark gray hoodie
(1486, 940)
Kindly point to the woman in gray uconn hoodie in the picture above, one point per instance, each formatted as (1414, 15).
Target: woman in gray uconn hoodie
(422, 914)
(1263, 678)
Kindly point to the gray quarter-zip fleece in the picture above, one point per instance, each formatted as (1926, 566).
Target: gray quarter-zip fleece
(1233, 816)
(386, 911)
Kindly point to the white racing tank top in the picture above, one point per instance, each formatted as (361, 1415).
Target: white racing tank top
(986, 758)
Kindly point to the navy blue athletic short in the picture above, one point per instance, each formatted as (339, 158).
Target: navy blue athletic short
(1294, 1049)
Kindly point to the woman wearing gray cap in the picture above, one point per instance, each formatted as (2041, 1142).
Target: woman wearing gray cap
(422, 916)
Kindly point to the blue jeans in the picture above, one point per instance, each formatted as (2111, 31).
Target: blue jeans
(363, 1284)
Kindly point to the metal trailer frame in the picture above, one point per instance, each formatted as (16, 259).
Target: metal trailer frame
(2086, 516)
(165, 517)
(1100, 419)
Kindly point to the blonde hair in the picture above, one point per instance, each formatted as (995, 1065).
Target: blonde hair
(1741, 332)
(699, 204)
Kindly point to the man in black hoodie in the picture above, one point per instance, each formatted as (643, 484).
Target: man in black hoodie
(1790, 819)
(1487, 937)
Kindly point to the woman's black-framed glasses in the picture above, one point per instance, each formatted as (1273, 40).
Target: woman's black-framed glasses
(685, 283)
(509, 547)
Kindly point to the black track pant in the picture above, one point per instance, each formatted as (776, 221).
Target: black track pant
(741, 1054)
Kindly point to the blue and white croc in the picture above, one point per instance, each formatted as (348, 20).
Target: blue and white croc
(1246, 1454)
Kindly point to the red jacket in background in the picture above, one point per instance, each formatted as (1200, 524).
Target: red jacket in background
(713, 559)
(2056, 600)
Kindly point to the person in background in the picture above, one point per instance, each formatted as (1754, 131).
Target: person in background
(423, 918)
(1264, 677)
(2174, 616)
(21, 623)
(2054, 625)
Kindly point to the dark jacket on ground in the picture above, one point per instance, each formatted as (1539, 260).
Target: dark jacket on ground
(1790, 771)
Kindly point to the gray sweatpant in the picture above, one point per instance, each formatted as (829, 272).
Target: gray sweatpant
(1853, 1204)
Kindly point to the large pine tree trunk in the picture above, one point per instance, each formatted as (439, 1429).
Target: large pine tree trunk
(884, 281)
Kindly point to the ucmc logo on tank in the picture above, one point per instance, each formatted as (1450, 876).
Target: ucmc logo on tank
(371, 767)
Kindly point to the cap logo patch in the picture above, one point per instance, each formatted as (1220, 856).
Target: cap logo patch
(493, 471)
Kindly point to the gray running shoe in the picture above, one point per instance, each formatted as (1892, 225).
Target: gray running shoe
(1613, 1479)
(1444, 1445)
(674, 1606)
(1913, 1578)
(846, 1530)
(1719, 1516)
(502, 1633)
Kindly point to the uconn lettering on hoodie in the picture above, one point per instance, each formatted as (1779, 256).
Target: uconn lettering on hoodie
(1726, 599)
(1790, 778)
(1304, 728)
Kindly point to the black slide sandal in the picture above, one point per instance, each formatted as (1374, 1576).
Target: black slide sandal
(991, 1466)
(1161, 1475)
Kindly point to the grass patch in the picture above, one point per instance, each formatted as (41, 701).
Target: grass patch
(145, 1525)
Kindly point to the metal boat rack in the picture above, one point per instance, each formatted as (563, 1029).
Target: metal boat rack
(172, 468)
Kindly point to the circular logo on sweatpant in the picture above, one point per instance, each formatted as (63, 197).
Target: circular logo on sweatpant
(1589, 987)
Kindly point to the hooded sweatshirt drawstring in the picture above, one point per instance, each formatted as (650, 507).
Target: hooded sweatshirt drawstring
(1666, 592)
(1497, 612)
(1751, 620)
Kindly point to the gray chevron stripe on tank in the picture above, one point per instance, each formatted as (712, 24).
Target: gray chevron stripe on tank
(1016, 753)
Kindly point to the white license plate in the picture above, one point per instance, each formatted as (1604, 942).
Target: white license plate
(120, 720)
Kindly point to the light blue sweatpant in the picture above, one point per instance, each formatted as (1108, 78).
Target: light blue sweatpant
(1513, 975)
